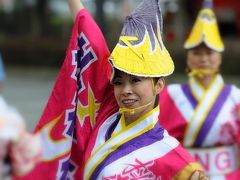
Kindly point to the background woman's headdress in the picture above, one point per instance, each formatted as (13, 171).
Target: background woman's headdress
(205, 30)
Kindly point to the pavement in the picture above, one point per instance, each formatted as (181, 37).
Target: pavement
(28, 89)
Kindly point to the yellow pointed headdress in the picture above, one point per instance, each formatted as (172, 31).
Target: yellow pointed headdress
(140, 50)
(205, 30)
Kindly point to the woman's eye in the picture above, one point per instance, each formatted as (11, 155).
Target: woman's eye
(210, 52)
(135, 80)
(196, 53)
(116, 83)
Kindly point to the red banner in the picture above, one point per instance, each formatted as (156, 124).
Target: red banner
(79, 100)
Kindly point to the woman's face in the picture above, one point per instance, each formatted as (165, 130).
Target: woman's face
(203, 57)
(133, 91)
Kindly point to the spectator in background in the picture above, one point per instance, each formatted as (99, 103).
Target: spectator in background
(19, 150)
(169, 10)
(204, 113)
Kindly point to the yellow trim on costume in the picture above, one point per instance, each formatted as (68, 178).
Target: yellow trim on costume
(196, 88)
(115, 146)
(153, 86)
(204, 115)
(137, 121)
(206, 108)
(201, 72)
(132, 111)
(122, 121)
(188, 171)
(48, 140)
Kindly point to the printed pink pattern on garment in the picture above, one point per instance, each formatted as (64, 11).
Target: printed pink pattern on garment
(236, 112)
(136, 171)
(230, 130)
(228, 133)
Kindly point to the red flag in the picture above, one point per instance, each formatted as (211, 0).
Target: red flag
(81, 98)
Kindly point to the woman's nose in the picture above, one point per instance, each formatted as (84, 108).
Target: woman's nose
(204, 57)
(126, 90)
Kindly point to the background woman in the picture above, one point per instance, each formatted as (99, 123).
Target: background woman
(203, 114)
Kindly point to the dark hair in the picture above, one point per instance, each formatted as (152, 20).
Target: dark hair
(155, 80)
(115, 73)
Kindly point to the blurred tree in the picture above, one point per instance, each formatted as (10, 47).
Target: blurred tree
(100, 17)
(42, 14)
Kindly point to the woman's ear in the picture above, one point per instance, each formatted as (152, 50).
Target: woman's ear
(159, 85)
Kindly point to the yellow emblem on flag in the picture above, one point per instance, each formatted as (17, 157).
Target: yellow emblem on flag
(88, 110)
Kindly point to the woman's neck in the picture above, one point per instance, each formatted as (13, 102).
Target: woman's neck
(130, 118)
(206, 80)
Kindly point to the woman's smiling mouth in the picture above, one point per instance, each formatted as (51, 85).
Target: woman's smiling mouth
(128, 102)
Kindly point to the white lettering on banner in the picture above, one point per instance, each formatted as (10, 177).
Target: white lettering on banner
(223, 161)
(216, 160)
(203, 159)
